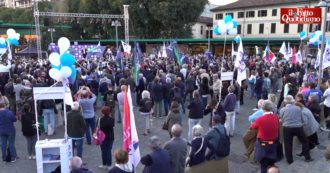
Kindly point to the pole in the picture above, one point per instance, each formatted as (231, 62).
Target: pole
(322, 48)
(116, 35)
(208, 39)
(224, 46)
(51, 36)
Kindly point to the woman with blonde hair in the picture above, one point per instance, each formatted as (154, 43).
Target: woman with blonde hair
(272, 97)
(121, 165)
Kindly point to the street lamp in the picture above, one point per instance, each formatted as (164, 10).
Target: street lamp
(51, 30)
(322, 4)
(116, 23)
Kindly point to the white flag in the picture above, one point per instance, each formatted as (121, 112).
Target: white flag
(257, 50)
(130, 138)
(326, 57)
(317, 62)
(126, 47)
(283, 49)
(164, 53)
(240, 64)
(299, 58)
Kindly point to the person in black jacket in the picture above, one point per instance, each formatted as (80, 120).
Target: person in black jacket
(106, 125)
(157, 96)
(145, 110)
(195, 112)
(198, 147)
(204, 91)
(29, 130)
(258, 86)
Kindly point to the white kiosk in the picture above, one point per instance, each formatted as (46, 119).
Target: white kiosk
(52, 153)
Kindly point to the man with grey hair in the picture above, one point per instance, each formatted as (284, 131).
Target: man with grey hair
(76, 166)
(76, 125)
(177, 148)
(158, 160)
(293, 122)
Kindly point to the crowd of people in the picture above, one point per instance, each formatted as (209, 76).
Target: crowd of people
(165, 89)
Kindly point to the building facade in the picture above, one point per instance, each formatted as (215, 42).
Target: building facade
(261, 18)
(18, 3)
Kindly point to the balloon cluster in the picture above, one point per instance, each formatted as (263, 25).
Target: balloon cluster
(315, 37)
(63, 63)
(12, 37)
(227, 25)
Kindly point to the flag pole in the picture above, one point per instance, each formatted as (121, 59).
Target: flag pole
(224, 45)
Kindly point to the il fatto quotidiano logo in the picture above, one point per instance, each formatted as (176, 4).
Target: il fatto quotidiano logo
(301, 16)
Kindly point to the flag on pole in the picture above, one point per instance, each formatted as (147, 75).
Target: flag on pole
(176, 53)
(240, 64)
(136, 61)
(164, 54)
(130, 137)
(127, 48)
(257, 50)
(326, 57)
(268, 55)
(119, 59)
(294, 59)
(299, 57)
(289, 52)
(283, 49)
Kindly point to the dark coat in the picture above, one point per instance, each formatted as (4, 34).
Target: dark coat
(198, 144)
(75, 124)
(157, 92)
(258, 86)
(157, 161)
(195, 109)
(106, 125)
(28, 121)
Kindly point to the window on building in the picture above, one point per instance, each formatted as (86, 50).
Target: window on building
(286, 28)
(240, 14)
(239, 29)
(249, 14)
(219, 16)
(261, 28)
(230, 14)
(318, 27)
(310, 28)
(300, 28)
(328, 9)
(249, 28)
(202, 29)
(262, 13)
(274, 12)
(273, 28)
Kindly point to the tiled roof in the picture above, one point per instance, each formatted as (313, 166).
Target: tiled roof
(257, 3)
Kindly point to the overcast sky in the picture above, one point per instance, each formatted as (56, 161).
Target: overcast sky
(221, 2)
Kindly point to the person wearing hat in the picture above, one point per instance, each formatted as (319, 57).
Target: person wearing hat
(293, 121)
(158, 160)
(106, 124)
(76, 126)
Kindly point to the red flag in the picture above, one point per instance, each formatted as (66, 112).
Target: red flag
(294, 57)
(127, 136)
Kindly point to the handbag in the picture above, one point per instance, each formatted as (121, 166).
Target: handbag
(98, 136)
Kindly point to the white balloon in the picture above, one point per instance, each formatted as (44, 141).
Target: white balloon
(17, 35)
(223, 29)
(221, 23)
(229, 25)
(55, 74)
(54, 59)
(64, 44)
(232, 31)
(11, 33)
(65, 71)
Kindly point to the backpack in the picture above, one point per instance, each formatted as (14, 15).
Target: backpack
(148, 105)
(110, 101)
(223, 147)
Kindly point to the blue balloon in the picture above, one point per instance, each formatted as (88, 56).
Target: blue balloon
(235, 24)
(2, 45)
(216, 30)
(67, 59)
(237, 39)
(12, 41)
(72, 78)
(316, 43)
(312, 35)
(321, 37)
(57, 67)
(227, 18)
